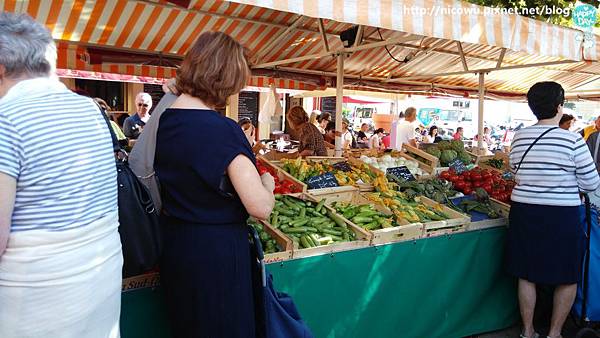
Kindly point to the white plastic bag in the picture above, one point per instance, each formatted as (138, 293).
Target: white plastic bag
(271, 107)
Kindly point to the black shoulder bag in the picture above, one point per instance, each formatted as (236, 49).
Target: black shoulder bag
(531, 145)
(138, 220)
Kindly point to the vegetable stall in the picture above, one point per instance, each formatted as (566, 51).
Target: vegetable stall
(410, 255)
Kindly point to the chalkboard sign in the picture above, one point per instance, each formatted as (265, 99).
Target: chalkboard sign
(327, 180)
(343, 166)
(328, 105)
(401, 172)
(458, 166)
(248, 106)
(155, 92)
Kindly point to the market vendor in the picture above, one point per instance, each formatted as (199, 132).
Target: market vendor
(134, 124)
(209, 189)
(545, 240)
(589, 130)
(312, 142)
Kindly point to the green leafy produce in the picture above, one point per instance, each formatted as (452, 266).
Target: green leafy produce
(268, 243)
(457, 145)
(309, 224)
(435, 151)
(465, 157)
(497, 163)
(480, 204)
(444, 145)
(448, 156)
(365, 216)
(436, 189)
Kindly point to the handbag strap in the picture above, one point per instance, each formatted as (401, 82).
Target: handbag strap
(531, 145)
(596, 148)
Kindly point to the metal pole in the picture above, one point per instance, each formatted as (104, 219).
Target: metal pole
(339, 101)
(480, 120)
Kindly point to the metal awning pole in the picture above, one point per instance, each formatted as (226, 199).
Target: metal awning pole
(480, 147)
(339, 101)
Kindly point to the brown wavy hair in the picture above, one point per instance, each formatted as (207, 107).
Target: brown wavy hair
(297, 116)
(214, 68)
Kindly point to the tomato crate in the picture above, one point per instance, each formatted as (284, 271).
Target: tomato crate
(456, 223)
(480, 220)
(282, 175)
(362, 237)
(404, 232)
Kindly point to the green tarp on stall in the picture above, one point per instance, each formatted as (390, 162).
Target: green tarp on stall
(449, 286)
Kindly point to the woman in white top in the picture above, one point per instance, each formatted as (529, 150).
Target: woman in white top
(432, 136)
(545, 240)
(60, 251)
(375, 140)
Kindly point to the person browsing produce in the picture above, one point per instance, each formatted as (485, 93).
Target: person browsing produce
(375, 142)
(566, 121)
(362, 141)
(404, 131)
(545, 240)
(311, 140)
(209, 189)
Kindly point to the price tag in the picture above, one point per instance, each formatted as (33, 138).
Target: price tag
(401, 172)
(458, 166)
(343, 166)
(326, 180)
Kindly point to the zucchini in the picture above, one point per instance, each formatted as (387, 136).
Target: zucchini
(305, 242)
(320, 205)
(332, 232)
(362, 219)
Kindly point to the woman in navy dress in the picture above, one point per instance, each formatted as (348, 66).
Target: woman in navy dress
(209, 186)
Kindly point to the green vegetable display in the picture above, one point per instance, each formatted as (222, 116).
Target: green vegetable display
(435, 151)
(365, 216)
(436, 189)
(480, 204)
(268, 243)
(497, 163)
(448, 156)
(309, 224)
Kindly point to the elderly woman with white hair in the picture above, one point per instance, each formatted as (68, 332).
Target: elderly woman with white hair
(134, 124)
(60, 251)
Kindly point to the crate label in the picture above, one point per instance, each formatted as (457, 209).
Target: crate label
(458, 166)
(343, 166)
(401, 172)
(326, 180)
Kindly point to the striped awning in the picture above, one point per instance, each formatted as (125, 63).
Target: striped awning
(458, 42)
(449, 20)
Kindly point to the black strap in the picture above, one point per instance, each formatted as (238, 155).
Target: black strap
(115, 141)
(531, 145)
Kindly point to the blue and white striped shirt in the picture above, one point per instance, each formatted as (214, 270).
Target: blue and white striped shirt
(556, 168)
(57, 146)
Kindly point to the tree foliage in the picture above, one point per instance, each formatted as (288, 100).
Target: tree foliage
(551, 18)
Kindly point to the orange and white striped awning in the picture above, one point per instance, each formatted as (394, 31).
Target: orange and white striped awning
(449, 20)
(459, 42)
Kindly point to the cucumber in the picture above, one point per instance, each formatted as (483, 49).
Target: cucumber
(299, 222)
(320, 205)
(291, 205)
(275, 221)
(336, 219)
(332, 232)
(362, 219)
(294, 230)
(315, 239)
(283, 211)
(305, 242)
(302, 212)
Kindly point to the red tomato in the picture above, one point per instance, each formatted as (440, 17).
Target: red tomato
(459, 185)
(487, 188)
(468, 191)
(475, 176)
(286, 183)
(477, 184)
(445, 174)
(285, 190)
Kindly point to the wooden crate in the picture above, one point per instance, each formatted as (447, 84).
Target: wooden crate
(457, 222)
(282, 241)
(499, 155)
(282, 174)
(363, 237)
(406, 231)
(426, 169)
(429, 162)
(502, 209)
(356, 153)
(331, 160)
(275, 155)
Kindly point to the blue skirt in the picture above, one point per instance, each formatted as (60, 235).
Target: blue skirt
(207, 280)
(545, 244)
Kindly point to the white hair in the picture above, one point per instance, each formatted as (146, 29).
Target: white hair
(145, 98)
(26, 46)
